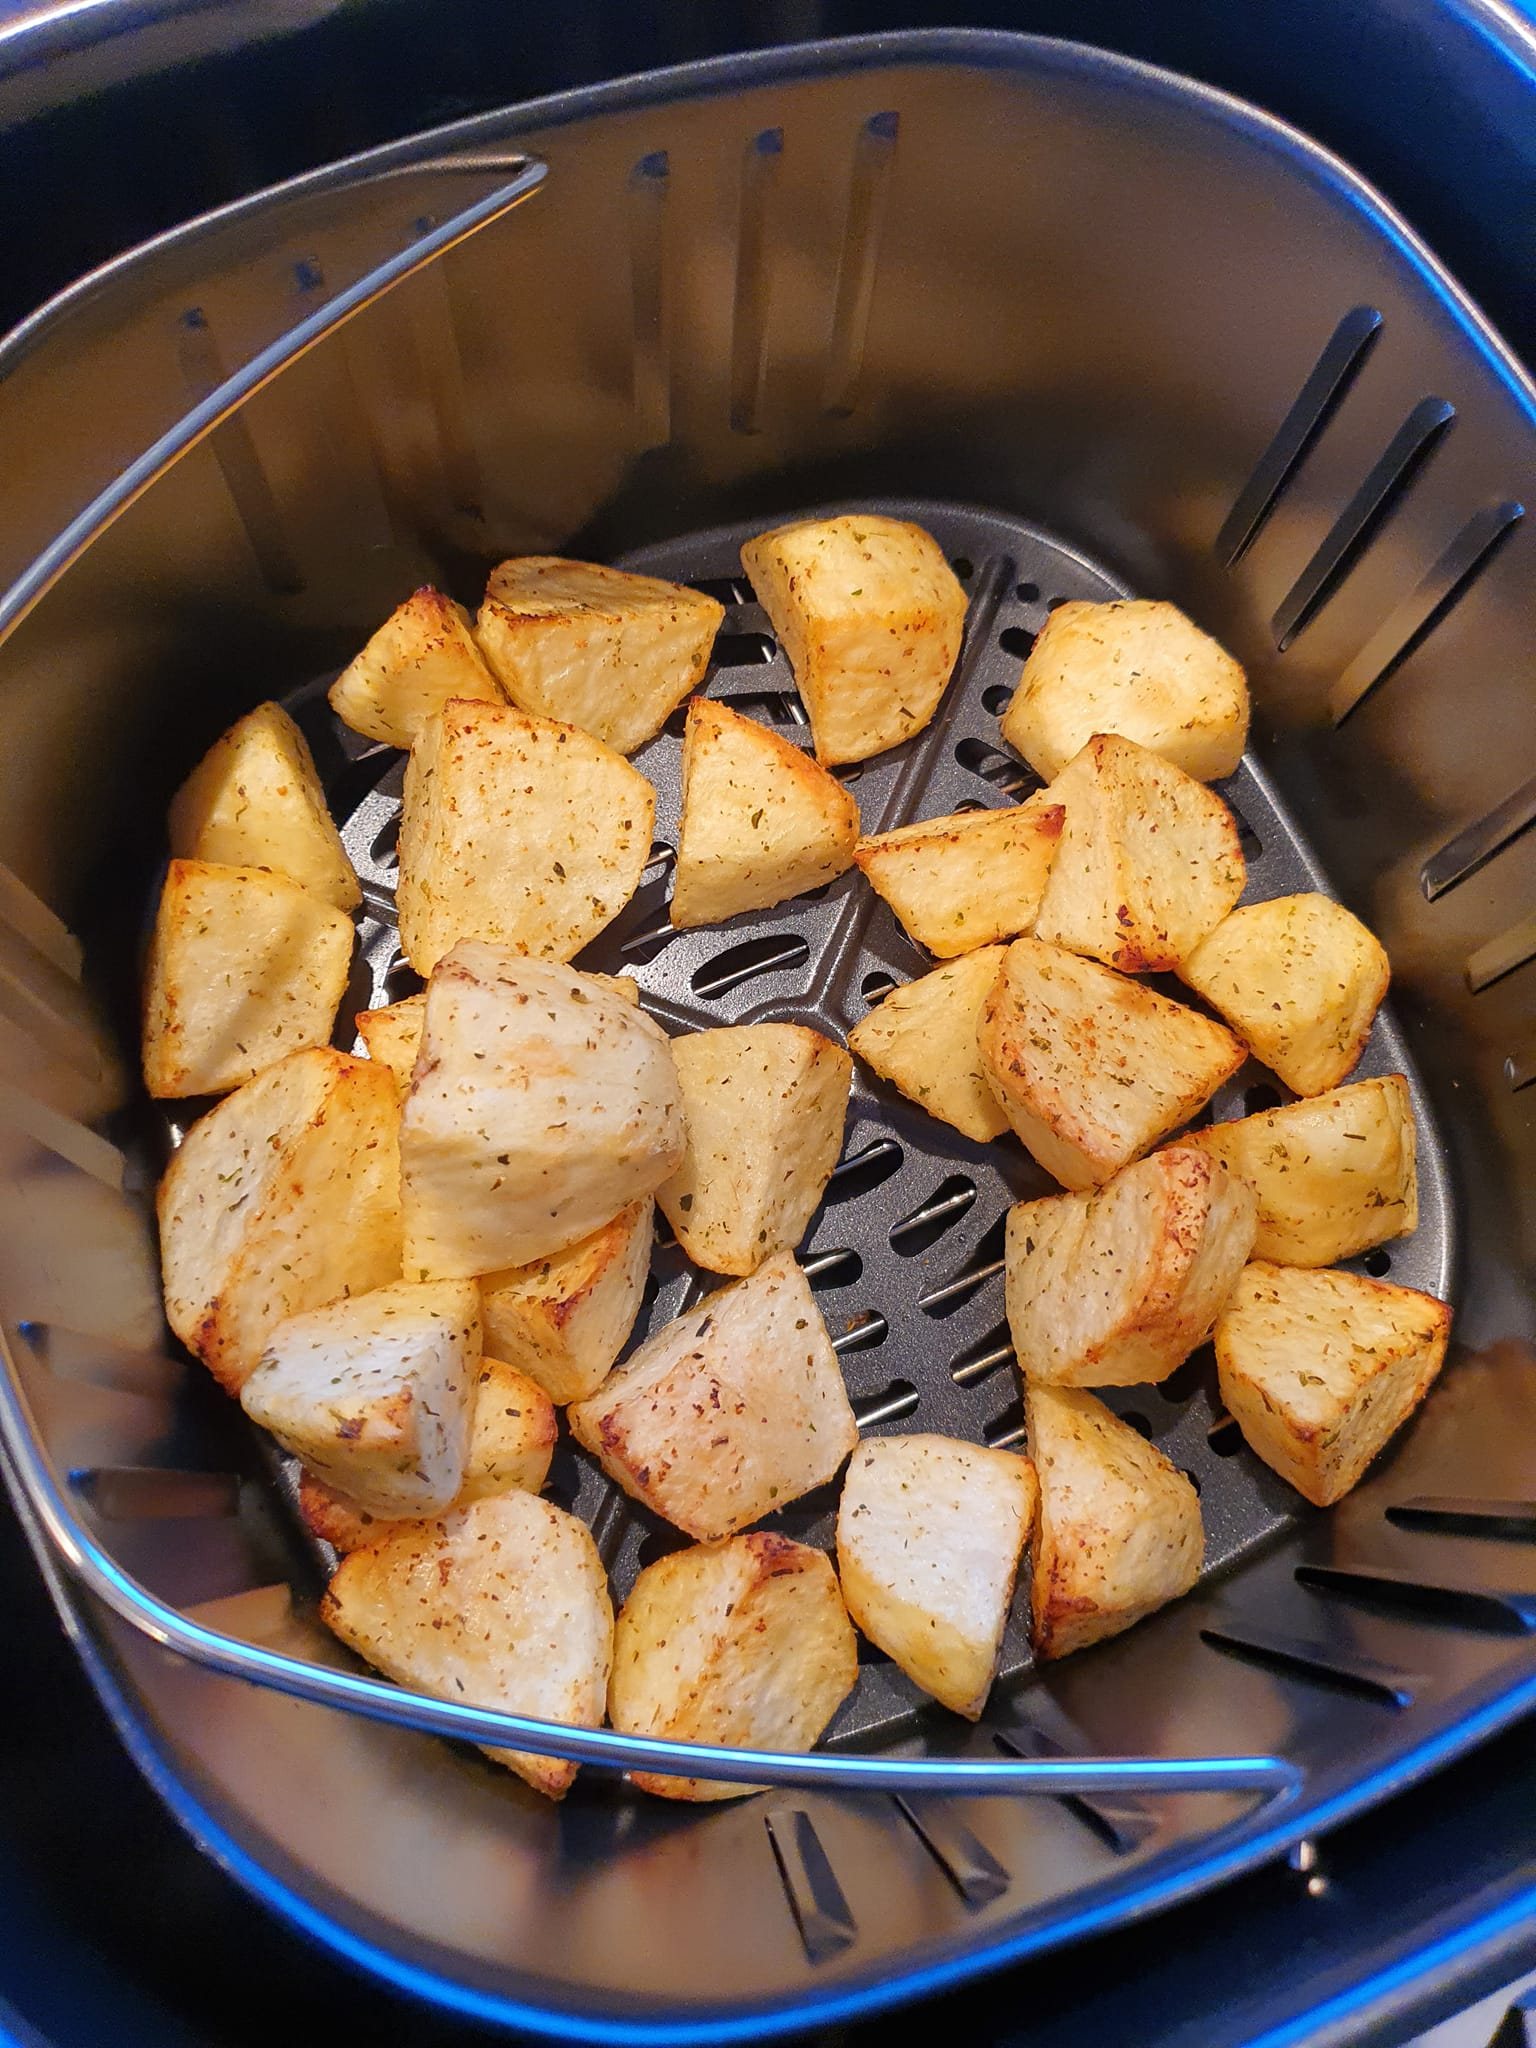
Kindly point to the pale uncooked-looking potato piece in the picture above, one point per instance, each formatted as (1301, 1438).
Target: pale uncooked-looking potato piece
(965, 881)
(1090, 1067)
(284, 1196)
(1119, 1532)
(1300, 980)
(921, 1038)
(255, 801)
(503, 1604)
(764, 1106)
(604, 649)
(742, 1644)
(1117, 1287)
(566, 1318)
(540, 1106)
(1149, 861)
(244, 966)
(422, 656)
(375, 1393)
(1135, 667)
(1319, 1369)
(871, 615)
(729, 1412)
(761, 820)
(518, 831)
(929, 1534)
(1335, 1174)
(392, 1033)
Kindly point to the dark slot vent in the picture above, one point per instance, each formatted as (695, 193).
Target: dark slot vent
(874, 156)
(983, 1357)
(996, 698)
(772, 954)
(866, 1331)
(942, 1210)
(1224, 1437)
(1027, 593)
(659, 1543)
(402, 981)
(1001, 770)
(1016, 640)
(826, 1270)
(770, 707)
(564, 1481)
(1458, 1516)
(1134, 1419)
(146, 1493)
(816, 1899)
(1462, 856)
(743, 650)
(892, 1404)
(985, 1263)
(1326, 1663)
(385, 850)
(651, 936)
(876, 983)
(969, 1865)
(1004, 1432)
(1249, 844)
(1504, 1610)
(863, 1171)
(726, 590)
(1260, 1097)
(658, 862)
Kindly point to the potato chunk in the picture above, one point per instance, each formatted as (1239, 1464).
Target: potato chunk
(1319, 1369)
(1118, 1287)
(764, 1105)
(1134, 667)
(503, 1604)
(515, 830)
(423, 655)
(284, 1196)
(929, 1533)
(965, 881)
(255, 801)
(743, 1644)
(566, 1318)
(761, 820)
(1334, 1174)
(541, 1105)
(374, 1394)
(730, 1411)
(391, 1035)
(1300, 980)
(870, 615)
(244, 966)
(1090, 1067)
(922, 1038)
(1119, 1532)
(1149, 860)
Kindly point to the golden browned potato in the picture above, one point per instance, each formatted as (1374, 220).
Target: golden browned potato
(965, 881)
(929, 1535)
(922, 1039)
(870, 615)
(423, 655)
(1319, 1369)
(565, 1319)
(742, 1644)
(392, 1035)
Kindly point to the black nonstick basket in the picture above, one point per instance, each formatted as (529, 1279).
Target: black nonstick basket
(1101, 331)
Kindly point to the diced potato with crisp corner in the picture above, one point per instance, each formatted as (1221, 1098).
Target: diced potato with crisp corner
(929, 1535)
(1090, 1067)
(284, 1196)
(565, 1319)
(422, 656)
(764, 1106)
(1149, 861)
(1117, 1287)
(392, 1033)
(871, 616)
(743, 1644)
(255, 801)
(921, 1037)
(1119, 1532)
(518, 831)
(601, 648)
(761, 820)
(1300, 980)
(1320, 1369)
(731, 1411)
(1136, 667)
(969, 880)
(502, 1605)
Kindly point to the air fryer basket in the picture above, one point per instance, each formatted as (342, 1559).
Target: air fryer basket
(1102, 331)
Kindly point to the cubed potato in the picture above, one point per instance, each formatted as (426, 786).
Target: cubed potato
(929, 1534)
(1149, 861)
(566, 1318)
(1119, 1286)
(255, 801)
(518, 831)
(1119, 1532)
(375, 1393)
(284, 1196)
(764, 1106)
(1300, 980)
(422, 656)
(965, 881)
(600, 648)
(503, 1605)
(244, 966)
(922, 1038)
(1334, 1174)
(743, 1644)
(761, 820)
(870, 615)
(1134, 667)
(1320, 1369)
(1090, 1067)
(729, 1412)
(540, 1106)
(391, 1035)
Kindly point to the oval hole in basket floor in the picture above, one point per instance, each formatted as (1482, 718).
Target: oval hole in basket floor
(863, 1171)
(1001, 770)
(743, 650)
(773, 953)
(943, 1209)
(996, 698)
(1016, 640)
(826, 1270)
(894, 1403)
